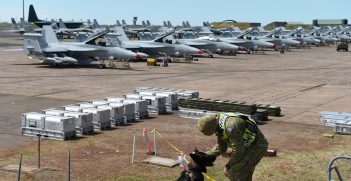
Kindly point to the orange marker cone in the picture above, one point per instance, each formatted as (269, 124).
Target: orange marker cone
(148, 143)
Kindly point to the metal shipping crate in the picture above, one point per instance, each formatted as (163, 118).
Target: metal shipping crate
(141, 107)
(101, 117)
(157, 104)
(171, 99)
(73, 108)
(48, 126)
(116, 113)
(54, 112)
(128, 111)
(114, 99)
(83, 122)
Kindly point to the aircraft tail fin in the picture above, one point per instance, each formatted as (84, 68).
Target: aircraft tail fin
(188, 24)
(169, 24)
(124, 23)
(144, 24)
(96, 24)
(49, 35)
(89, 23)
(118, 23)
(32, 15)
(120, 30)
(183, 24)
(165, 24)
(53, 24)
(61, 24)
(148, 23)
(22, 23)
(34, 43)
(14, 25)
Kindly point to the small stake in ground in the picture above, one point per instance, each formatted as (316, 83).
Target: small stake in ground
(69, 165)
(38, 150)
(19, 169)
(148, 143)
(133, 147)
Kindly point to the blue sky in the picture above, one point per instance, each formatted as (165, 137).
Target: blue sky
(196, 11)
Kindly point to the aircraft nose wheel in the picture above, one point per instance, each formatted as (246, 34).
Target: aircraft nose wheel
(102, 66)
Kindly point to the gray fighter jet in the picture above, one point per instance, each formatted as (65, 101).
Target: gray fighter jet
(154, 48)
(46, 47)
(21, 27)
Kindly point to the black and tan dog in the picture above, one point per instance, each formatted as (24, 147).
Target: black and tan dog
(197, 166)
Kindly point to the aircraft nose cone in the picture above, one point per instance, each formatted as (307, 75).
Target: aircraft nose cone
(141, 55)
(201, 52)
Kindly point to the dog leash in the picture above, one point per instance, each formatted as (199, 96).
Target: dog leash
(209, 178)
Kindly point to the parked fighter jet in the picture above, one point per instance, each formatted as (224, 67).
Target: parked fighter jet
(220, 46)
(51, 51)
(33, 18)
(20, 28)
(154, 48)
(16, 28)
(63, 30)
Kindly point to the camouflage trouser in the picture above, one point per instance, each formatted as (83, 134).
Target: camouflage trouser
(244, 169)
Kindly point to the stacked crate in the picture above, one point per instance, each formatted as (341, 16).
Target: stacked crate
(83, 121)
(116, 112)
(101, 117)
(128, 110)
(156, 104)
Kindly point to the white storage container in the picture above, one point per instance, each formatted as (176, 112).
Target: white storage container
(73, 108)
(86, 105)
(101, 117)
(48, 126)
(128, 111)
(141, 107)
(83, 122)
(116, 113)
(99, 102)
(133, 96)
(171, 99)
(54, 112)
(114, 99)
(156, 105)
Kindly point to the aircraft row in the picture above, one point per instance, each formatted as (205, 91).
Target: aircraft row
(96, 43)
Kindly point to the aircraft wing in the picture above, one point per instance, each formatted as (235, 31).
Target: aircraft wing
(153, 46)
(69, 48)
(144, 45)
(190, 43)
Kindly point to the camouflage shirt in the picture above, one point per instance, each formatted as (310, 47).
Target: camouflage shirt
(235, 128)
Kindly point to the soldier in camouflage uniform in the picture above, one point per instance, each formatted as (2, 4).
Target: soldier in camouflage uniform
(241, 134)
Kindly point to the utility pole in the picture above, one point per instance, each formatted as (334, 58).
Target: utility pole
(23, 8)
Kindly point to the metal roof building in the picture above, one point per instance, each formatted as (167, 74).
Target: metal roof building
(329, 22)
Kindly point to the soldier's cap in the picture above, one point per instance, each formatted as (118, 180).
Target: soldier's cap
(208, 124)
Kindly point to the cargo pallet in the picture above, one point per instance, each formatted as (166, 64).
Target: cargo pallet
(85, 130)
(117, 122)
(142, 115)
(157, 111)
(53, 135)
(129, 118)
(102, 126)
